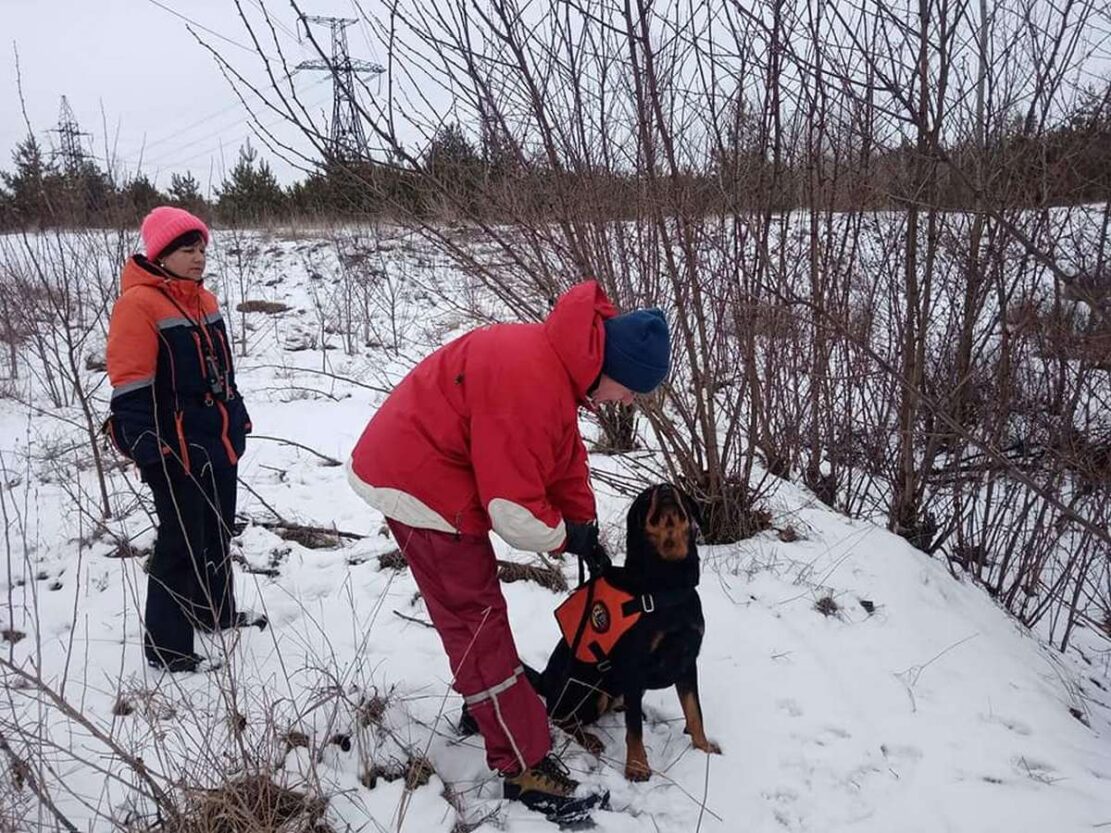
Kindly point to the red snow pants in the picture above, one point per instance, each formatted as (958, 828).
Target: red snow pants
(458, 577)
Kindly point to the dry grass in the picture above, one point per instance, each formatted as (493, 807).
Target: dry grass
(371, 710)
(253, 804)
(392, 560)
(268, 307)
(545, 576)
(416, 770)
(151, 704)
(309, 537)
(827, 606)
(788, 534)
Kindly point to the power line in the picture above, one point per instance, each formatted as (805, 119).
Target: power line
(182, 140)
(274, 20)
(202, 27)
(178, 132)
(365, 29)
(173, 160)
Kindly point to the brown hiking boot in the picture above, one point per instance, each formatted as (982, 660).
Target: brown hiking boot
(548, 788)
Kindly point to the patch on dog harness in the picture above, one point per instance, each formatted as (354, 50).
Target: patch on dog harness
(612, 612)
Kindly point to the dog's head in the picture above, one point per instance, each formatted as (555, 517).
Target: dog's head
(662, 529)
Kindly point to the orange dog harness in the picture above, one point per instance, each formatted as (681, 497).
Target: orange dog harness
(611, 613)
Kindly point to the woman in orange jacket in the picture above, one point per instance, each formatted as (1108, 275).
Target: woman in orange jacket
(177, 413)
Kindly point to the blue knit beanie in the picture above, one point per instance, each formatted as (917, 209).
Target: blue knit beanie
(638, 349)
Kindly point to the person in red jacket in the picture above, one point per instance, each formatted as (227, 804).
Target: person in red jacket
(483, 435)
(177, 414)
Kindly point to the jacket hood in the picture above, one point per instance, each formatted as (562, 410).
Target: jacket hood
(138, 271)
(575, 331)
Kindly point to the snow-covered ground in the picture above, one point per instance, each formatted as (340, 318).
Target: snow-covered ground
(852, 683)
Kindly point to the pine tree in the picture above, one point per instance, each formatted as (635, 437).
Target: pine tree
(32, 191)
(451, 155)
(455, 164)
(139, 196)
(89, 192)
(185, 192)
(251, 193)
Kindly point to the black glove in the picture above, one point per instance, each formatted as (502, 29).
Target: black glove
(582, 540)
(598, 561)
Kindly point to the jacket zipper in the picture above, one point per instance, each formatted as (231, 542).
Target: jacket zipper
(200, 355)
(232, 456)
(179, 418)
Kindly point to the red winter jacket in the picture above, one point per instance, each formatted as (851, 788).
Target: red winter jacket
(483, 434)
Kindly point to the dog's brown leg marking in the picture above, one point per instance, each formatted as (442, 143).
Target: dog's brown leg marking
(695, 728)
(587, 740)
(636, 758)
(605, 703)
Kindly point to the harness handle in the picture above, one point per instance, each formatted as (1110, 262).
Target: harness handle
(585, 617)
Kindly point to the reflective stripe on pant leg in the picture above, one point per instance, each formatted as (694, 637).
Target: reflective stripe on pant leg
(491, 694)
(458, 580)
(509, 734)
(495, 690)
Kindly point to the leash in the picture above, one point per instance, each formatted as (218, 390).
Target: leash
(579, 631)
(585, 617)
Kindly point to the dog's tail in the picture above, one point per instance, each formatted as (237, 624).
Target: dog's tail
(535, 678)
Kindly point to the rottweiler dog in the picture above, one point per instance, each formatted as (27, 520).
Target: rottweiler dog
(659, 648)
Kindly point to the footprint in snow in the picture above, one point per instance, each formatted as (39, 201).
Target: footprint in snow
(830, 734)
(1033, 768)
(1016, 726)
(898, 753)
(788, 705)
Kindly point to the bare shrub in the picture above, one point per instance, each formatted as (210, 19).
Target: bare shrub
(789, 205)
(253, 804)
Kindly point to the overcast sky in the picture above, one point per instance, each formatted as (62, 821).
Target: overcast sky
(154, 99)
(131, 70)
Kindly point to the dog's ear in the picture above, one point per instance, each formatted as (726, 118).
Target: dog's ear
(635, 520)
(639, 508)
(693, 510)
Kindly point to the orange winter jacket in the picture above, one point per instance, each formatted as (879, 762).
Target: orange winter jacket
(173, 383)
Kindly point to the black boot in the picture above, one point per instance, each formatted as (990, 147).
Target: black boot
(180, 663)
(241, 619)
(548, 788)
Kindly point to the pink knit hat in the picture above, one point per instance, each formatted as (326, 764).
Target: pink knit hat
(166, 223)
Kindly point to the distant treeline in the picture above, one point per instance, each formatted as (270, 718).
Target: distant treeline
(456, 176)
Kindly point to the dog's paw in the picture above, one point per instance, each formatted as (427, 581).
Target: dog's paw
(637, 770)
(700, 741)
(592, 744)
(707, 746)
